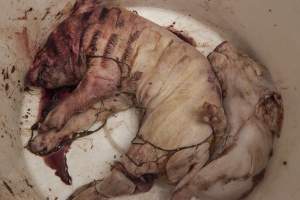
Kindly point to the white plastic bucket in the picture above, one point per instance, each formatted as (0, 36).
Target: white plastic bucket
(268, 30)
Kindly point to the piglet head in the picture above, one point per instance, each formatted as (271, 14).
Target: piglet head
(54, 65)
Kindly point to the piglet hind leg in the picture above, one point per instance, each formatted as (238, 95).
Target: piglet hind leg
(135, 173)
(100, 82)
(233, 174)
(254, 112)
(116, 184)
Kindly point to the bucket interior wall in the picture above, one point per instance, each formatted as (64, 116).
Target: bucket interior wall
(268, 30)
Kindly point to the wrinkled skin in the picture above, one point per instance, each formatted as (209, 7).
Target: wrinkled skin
(124, 60)
(254, 112)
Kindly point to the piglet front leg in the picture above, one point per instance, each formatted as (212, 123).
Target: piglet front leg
(76, 127)
(100, 82)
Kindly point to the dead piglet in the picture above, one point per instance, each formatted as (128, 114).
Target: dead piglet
(254, 112)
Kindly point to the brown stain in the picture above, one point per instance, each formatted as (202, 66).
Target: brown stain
(271, 153)
(25, 16)
(5, 74)
(28, 183)
(46, 14)
(8, 188)
(284, 163)
(24, 41)
(182, 35)
(13, 69)
(6, 87)
(59, 15)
